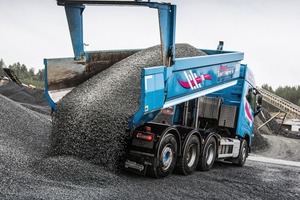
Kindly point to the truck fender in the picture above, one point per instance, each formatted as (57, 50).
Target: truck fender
(173, 131)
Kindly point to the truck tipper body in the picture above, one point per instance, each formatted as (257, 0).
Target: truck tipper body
(211, 100)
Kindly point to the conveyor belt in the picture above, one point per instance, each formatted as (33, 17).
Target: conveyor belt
(280, 103)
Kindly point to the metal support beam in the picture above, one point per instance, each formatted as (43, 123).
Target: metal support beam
(197, 107)
(100, 2)
(167, 25)
(74, 17)
(269, 120)
(166, 15)
(185, 113)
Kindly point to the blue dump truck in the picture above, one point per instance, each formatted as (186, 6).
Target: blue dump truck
(212, 99)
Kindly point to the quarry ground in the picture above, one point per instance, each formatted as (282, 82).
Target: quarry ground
(27, 172)
(282, 148)
(69, 178)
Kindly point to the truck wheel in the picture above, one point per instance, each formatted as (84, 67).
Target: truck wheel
(166, 159)
(189, 160)
(241, 160)
(208, 156)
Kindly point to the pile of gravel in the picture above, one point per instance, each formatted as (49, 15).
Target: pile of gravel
(24, 138)
(23, 131)
(33, 99)
(28, 172)
(92, 119)
(276, 128)
(259, 143)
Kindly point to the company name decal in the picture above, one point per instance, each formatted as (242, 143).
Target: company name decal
(193, 81)
(225, 72)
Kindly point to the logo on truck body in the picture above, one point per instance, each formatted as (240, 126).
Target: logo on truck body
(193, 81)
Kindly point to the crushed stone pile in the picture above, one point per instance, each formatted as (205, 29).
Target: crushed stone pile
(24, 138)
(276, 128)
(91, 120)
(28, 172)
(24, 131)
(33, 99)
(259, 142)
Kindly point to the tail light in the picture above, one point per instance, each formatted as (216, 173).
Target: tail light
(145, 136)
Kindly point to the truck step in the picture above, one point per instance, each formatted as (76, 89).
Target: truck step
(229, 148)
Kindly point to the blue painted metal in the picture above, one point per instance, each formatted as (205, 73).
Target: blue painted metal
(236, 96)
(245, 124)
(48, 98)
(187, 79)
(74, 17)
(192, 62)
(152, 96)
(167, 24)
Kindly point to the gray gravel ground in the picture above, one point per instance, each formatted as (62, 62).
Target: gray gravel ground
(281, 147)
(91, 120)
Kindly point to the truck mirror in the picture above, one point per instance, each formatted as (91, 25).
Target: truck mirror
(259, 99)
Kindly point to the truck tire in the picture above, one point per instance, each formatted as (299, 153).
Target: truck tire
(208, 156)
(188, 162)
(241, 159)
(166, 159)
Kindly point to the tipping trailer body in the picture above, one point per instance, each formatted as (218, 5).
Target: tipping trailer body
(212, 98)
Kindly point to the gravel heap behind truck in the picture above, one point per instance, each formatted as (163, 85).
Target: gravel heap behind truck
(210, 96)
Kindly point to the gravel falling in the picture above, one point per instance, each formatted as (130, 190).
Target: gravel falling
(91, 120)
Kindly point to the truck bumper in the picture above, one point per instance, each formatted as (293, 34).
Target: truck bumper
(138, 162)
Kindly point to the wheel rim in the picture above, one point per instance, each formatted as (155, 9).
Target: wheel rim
(210, 154)
(191, 155)
(167, 157)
